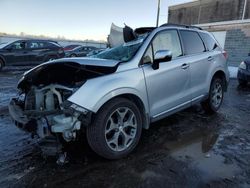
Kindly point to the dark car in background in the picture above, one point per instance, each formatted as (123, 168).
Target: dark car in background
(95, 52)
(70, 47)
(29, 52)
(244, 72)
(80, 51)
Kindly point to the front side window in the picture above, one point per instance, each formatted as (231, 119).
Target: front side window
(166, 40)
(192, 42)
(18, 45)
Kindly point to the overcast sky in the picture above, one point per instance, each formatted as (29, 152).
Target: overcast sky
(78, 19)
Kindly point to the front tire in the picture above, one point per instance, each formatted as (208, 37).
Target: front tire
(1, 64)
(116, 129)
(216, 95)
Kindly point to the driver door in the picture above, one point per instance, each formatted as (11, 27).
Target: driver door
(18, 53)
(169, 86)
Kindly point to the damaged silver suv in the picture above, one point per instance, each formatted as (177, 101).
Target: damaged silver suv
(112, 96)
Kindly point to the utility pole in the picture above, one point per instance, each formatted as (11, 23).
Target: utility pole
(244, 10)
(158, 13)
(199, 16)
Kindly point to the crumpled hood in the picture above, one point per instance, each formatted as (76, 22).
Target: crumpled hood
(67, 71)
(90, 61)
(81, 61)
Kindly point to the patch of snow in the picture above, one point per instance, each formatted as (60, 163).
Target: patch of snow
(233, 71)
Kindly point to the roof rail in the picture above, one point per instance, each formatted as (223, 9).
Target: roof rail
(143, 30)
(179, 25)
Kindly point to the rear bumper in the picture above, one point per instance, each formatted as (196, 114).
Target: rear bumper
(243, 75)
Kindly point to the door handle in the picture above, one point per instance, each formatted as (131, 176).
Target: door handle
(210, 58)
(185, 66)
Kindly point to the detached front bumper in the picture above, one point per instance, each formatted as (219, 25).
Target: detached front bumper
(30, 121)
(19, 118)
(243, 75)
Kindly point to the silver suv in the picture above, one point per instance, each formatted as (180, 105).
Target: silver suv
(112, 96)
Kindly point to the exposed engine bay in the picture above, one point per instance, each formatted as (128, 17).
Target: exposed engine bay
(46, 106)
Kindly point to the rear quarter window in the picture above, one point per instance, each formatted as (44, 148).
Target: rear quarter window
(52, 45)
(192, 42)
(209, 41)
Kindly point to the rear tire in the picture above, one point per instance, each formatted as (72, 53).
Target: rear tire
(73, 55)
(116, 129)
(216, 95)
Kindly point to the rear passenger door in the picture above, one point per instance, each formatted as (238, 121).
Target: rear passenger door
(199, 62)
(34, 51)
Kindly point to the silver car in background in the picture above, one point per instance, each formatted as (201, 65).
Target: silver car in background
(112, 96)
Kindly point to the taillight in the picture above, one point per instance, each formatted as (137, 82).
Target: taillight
(225, 54)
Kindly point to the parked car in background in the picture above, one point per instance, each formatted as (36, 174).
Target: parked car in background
(244, 72)
(115, 95)
(95, 52)
(70, 47)
(80, 51)
(28, 52)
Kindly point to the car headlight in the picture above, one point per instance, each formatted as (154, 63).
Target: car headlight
(243, 65)
(79, 108)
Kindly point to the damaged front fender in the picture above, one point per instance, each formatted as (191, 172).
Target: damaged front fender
(96, 92)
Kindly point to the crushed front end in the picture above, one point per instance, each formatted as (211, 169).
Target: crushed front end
(42, 108)
(46, 113)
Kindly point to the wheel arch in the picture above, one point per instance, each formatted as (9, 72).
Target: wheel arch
(220, 74)
(138, 102)
(3, 59)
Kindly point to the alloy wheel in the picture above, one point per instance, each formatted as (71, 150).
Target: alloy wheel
(217, 95)
(120, 129)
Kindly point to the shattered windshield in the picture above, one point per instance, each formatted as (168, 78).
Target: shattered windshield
(123, 52)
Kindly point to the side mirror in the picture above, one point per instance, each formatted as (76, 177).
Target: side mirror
(248, 54)
(161, 56)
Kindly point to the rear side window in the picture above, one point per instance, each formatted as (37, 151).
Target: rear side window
(209, 41)
(33, 45)
(192, 42)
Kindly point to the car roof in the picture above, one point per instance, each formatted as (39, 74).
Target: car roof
(36, 40)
